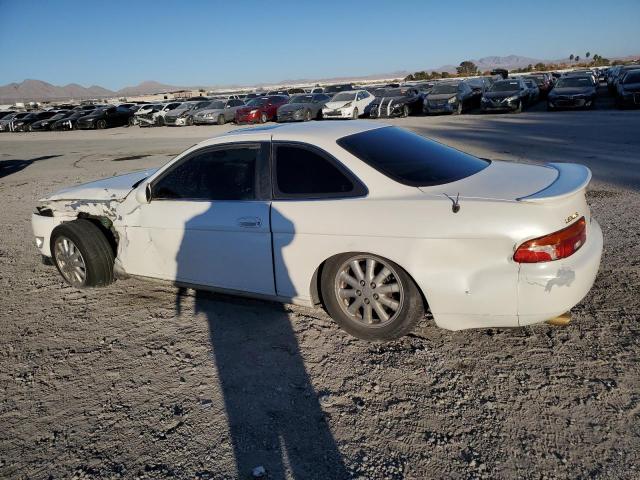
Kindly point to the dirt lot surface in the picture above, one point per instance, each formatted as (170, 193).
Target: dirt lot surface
(139, 380)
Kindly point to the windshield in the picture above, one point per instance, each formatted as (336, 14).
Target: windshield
(302, 99)
(344, 97)
(573, 82)
(257, 102)
(390, 92)
(216, 105)
(58, 116)
(633, 77)
(411, 159)
(505, 86)
(441, 88)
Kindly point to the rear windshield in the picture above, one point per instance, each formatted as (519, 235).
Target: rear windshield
(411, 159)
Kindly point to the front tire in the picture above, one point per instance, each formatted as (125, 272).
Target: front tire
(160, 121)
(263, 117)
(370, 297)
(221, 120)
(307, 116)
(519, 109)
(405, 111)
(101, 124)
(82, 254)
(355, 114)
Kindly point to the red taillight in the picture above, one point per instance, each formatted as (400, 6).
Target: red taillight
(554, 246)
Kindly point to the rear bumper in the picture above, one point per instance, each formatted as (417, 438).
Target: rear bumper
(548, 289)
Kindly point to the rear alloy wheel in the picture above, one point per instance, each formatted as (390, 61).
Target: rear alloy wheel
(221, 120)
(370, 297)
(101, 124)
(82, 254)
(355, 114)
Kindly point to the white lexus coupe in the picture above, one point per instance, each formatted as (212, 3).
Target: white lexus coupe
(373, 222)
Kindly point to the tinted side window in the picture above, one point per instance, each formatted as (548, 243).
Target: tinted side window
(411, 159)
(303, 172)
(225, 174)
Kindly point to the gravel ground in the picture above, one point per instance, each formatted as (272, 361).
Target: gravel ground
(141, 380)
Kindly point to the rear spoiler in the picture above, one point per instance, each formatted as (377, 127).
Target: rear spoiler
(571, 178)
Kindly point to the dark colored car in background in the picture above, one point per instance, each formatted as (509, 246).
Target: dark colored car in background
(544, 81)
(302, 107)
(511, 94)
(5, 113)
(24, 124)
(629, 89)
(260, 110)
(396, 102)
(46, 123)
(69, 122)
(6, 123)
(105, 118)
(333, 89)
(450, 97)
(572, 92)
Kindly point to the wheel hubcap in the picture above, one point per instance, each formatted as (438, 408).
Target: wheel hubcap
(368, 291)
(70, 261)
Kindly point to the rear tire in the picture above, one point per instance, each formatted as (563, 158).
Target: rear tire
(94, 248)
(519, 109)
(406, 298)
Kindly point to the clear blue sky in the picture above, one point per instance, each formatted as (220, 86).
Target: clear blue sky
(115, 43)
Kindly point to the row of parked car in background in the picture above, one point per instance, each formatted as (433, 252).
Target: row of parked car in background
(499, 92)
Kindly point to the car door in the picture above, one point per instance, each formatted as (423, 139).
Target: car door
(207, 222)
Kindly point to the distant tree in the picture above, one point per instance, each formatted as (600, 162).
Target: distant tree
(588, 54)
(444, 75)
(577, 58)
(467, 68)
(539, 66)
(409, 78)
(571, 57)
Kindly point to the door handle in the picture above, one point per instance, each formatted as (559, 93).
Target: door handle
(249, 222)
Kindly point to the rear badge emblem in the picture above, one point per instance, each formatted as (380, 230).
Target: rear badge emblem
(571, 217)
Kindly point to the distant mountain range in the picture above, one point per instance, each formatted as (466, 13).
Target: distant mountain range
(38, 90)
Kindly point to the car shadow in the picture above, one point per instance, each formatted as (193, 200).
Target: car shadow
(9, 167)
(273, 412)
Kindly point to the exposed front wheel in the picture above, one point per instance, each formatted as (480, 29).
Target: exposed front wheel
(405, 111)
(307, 115)
(263, 117)
(160, 121)
(370, 297)
(519, 109)
(355, 114)
(101, 124)
(221, 120)
(82, 254)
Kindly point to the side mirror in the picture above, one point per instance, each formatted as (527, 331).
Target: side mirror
(143, 193)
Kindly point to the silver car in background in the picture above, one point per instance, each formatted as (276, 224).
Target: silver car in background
(219, 112)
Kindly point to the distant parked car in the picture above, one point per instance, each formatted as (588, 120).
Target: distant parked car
(348, 104)
(511, 94)
(572, 92)
(219, 112)
(303, 107)
(278, 92)
(584, 73)
(5, 113)
(105, 118)
(69, 122)
(47, 123)
(260, 110)
(7, 121)
(333, 89)
(295, 91)
(450, 97)
(396, 102)
(183, 115)
(24, 124)
(629, 90)
(544, 81)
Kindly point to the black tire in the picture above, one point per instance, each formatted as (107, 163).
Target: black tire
(458, 110)
(355, 114)
(411, 311)
(101, 124)
(307, 115)
(160, 121)
(550, 108)
(189, 121)
(221, 120)
(405, 111)
(132, 121)
(263, 117)
(28, 128)
(519, 109)
(95, 249)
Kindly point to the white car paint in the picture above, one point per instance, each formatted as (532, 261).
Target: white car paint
(462, 262)
(345, 108)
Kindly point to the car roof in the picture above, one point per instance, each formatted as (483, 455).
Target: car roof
(310, 132)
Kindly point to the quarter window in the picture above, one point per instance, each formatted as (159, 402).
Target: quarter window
(220, 174)
(301, 172)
